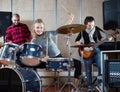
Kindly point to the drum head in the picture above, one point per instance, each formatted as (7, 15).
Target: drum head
(19, 80)
(31, 54)
(9, 81)
(30, 61)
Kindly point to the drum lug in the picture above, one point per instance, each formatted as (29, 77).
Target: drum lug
(37, 80)
(25, 81)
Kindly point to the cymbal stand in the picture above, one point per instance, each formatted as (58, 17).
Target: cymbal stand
(55, 82)
(69, 67)
(83, 77)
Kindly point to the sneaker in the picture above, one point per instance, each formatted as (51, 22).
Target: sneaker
(74, 90)
(99, 88)
(90, 89)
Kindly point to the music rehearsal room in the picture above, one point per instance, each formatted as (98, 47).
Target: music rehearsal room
(59, 45)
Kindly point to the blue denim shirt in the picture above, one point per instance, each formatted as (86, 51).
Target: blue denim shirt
(42, 41)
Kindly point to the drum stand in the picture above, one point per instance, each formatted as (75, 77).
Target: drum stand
(69, 69)
(55, 82)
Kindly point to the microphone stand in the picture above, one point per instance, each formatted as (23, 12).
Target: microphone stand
(69, 67)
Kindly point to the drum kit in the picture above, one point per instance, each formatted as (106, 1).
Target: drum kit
(26, 79)
(14, 78)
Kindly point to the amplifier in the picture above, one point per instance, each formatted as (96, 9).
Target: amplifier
(110, 46)
(112, 72)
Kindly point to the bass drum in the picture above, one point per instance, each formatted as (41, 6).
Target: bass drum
(19, 80)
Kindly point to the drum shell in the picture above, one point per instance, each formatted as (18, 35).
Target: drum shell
(31, 54)
(54, 64)
(19, 80)
(8, 53)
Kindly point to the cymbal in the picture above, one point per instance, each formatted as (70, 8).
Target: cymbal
(72, 28)
(82, 45)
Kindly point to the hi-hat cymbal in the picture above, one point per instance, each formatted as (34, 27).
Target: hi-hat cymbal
(82, 45)
(72, 28)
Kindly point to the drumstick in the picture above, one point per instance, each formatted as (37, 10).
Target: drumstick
(70, 15)
(46, 46)
(65, 9)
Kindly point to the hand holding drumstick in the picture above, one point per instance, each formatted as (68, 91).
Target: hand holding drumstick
(71, 16)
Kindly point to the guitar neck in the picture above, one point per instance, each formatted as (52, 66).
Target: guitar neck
(99, 43)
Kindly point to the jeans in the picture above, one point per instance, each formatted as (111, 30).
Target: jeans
(88, 65)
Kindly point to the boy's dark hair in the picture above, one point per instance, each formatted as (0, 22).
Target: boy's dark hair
(88, 19)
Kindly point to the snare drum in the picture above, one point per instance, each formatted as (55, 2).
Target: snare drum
(57, 64)
(8, 54)
(31, 54)
(19, 80)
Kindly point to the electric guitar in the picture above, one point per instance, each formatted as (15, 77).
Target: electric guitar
(92, 46)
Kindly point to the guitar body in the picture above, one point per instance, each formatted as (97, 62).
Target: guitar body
(88, 54)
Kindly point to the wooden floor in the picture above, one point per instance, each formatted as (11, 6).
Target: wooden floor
(65, 89)
(68, 89)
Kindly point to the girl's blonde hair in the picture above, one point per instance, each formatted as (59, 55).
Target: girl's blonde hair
(34, 35)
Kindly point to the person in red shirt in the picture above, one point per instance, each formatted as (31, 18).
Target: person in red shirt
(17, 33)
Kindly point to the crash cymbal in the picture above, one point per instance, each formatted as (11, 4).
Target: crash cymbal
(72, 28)
(82, 45)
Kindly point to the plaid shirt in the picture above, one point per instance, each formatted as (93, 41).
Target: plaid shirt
(18, 34)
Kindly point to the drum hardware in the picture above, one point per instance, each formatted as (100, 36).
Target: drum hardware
(69, 30)
(38, 80)
(10, 50)
(57, 65)
(10, 54)
(3, 50)
(25, 81)
(55, 82)
(69, 65)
